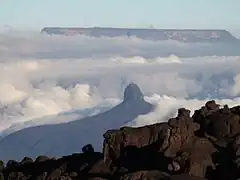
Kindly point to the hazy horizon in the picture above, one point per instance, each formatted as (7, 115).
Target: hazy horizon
(4, 28)
(215, 14)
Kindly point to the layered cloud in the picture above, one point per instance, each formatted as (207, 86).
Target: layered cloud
(47, 75)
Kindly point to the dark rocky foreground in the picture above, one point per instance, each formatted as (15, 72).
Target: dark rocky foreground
(204, 146)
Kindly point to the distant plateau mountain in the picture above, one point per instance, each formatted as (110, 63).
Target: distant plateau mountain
(182, 35)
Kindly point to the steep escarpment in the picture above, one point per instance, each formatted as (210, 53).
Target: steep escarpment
(205, 145)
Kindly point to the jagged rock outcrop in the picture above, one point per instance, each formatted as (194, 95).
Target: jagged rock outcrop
(119, 143)
(205, 146)
(175, 144)
(182, 130)
(219, 123)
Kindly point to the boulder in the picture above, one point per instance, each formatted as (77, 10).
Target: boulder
(220, 123)
(116, 142)
(182, 129)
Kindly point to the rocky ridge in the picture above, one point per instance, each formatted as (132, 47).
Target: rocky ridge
(205, 145)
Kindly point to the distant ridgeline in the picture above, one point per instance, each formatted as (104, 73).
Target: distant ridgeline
(183, 35)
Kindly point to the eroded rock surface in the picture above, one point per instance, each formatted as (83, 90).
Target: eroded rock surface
(199, 147)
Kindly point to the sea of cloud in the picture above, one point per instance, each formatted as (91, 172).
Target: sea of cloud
(43, 76)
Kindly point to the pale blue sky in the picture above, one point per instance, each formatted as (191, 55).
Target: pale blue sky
(121, 13)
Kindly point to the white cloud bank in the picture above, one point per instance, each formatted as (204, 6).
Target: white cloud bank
(42, 75)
